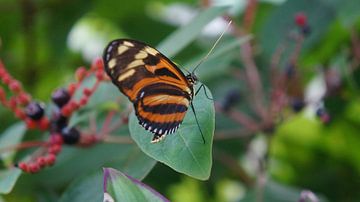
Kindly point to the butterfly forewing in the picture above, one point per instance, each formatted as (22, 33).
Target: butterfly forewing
(158, 89)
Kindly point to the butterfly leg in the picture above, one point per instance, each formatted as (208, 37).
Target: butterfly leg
(203, 86)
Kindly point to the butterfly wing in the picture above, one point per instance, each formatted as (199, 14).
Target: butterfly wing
(158, 89)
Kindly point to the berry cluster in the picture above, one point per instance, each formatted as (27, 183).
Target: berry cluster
(33, 114)
(302, 22)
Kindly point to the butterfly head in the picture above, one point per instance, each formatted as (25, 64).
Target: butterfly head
(192, 78)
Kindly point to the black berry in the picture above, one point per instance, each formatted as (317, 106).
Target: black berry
(34, 110)
(70, 135)
(297, 104)
(231, 98)
(58, 121)
(306, 30)
(60, 97)
(320, 112)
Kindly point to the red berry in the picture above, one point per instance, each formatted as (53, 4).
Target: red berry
(12, 103)
(72, 88)
(83, 101)
(2, 72)
(2, 95)
(50, 159)
(41, 161)
(74, 106)
(54, 149)
(30, 124)
(66, 111)
(44, 123)
(97, 64)
(20, 114)
(34, 167)
(99, 75)
(15, 86)
(80, 73)
(87, 91)
(23, 166)
(6, 79)
(56, 139)
(300, 19)
(24, 98)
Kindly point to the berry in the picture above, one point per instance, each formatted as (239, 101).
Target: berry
(61, 97)
(30, 124)
(231, 98)
(15, 86)
(24, 98)
(50, 159)
(306, 30)
(19, 114)
(54, 149)
(72, 88)
(70, 135)
(41, 161)
(87, 91)
(58, 122)
(320, 111)
(44, 123)
(83, 101)
(300, 19)
(34, 167)
(56, 138)
(297, 104)
(80, 73)
(34, 110)
(23, 166)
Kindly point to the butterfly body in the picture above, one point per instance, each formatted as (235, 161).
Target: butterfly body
(159, 91)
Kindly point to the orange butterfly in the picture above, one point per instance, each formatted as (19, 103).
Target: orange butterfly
(160, 92)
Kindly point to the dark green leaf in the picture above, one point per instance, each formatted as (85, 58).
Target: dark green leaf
(183, 151)
(123, 188)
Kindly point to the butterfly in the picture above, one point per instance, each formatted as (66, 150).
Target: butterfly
(159, 90)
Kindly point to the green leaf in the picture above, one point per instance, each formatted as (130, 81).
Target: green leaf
(183, 151)
(122, 188)
(88, 187)
(8, 179)
(12, 136)
(185, 35)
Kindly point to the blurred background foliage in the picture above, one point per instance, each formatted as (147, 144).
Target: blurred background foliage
(43, 42)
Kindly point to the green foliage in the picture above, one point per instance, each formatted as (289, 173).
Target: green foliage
(124, 188)
(301, 153)
(184, 151)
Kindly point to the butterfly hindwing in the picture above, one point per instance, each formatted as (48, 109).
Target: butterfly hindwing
(158, 89)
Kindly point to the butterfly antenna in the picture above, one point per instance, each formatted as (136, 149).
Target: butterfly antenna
(197, 122)
(212, 48)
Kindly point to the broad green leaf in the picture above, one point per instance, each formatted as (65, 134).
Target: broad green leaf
(8, 179)
(12, 136)
(123, 188)
(184, 151)
(185, 35)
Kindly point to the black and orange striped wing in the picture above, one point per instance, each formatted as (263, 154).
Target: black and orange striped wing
(158, 89)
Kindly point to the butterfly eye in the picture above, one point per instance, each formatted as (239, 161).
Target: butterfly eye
(192, 78)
